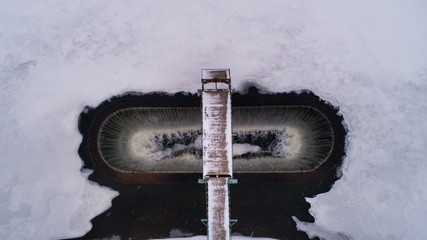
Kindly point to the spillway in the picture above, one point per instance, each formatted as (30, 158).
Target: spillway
(137, 138)
(267, 139)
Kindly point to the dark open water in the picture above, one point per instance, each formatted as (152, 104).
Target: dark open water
(154, 210)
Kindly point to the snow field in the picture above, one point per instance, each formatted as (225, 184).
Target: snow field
(368, 58)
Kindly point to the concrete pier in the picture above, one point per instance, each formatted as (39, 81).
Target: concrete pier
(217, 150)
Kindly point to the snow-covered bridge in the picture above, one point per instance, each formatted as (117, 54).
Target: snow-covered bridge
(217, 149)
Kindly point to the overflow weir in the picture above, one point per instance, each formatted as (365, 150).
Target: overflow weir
(140, 138)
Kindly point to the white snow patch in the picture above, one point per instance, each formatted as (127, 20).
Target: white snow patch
(316, 231)
(243, 148)
(367, 57)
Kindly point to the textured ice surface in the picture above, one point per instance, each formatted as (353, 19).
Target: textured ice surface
(368, 57)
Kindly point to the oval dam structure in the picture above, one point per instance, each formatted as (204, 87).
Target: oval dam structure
(156, 137)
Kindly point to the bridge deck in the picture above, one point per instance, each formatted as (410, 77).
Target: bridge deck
(217, 151)
(217, 136)
(218, 208)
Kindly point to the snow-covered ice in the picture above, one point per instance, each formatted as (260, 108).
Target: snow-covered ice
(367, 57)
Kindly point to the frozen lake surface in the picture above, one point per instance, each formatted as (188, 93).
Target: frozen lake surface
(368, 58)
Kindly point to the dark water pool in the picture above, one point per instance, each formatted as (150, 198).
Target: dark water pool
(159, 210)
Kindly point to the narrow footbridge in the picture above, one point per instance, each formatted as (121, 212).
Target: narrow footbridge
(217, 151)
